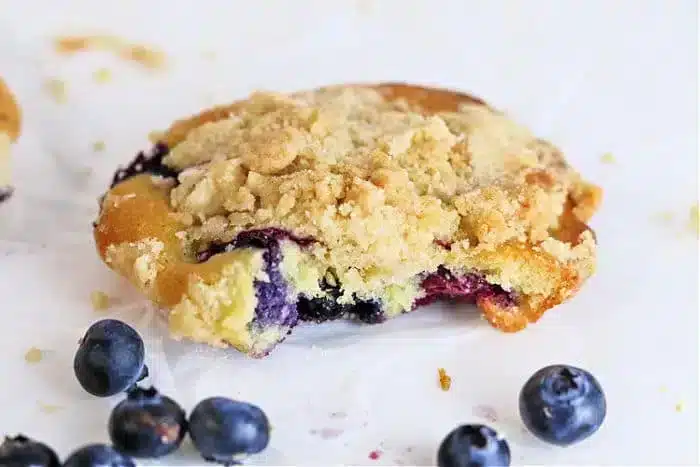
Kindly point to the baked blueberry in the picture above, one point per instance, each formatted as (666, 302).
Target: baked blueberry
(368, 311)
(20, 451)
(147, 424)
(98, 455)
(473, 446)
(226, 431)
(151, 163)
(562, 404)
(110, 358)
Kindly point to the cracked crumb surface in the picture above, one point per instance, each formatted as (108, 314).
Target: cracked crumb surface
(444, 379)
(100, 300)
(57, 89)
(146, 56)
(33, 355)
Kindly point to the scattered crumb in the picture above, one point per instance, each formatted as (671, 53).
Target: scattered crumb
(444, 379)
(155, 136)
(374, 455)
(607, 158)
(486, 412)
(679, 407)
(98, 146)
(694, 219)
(57, 89)
(663, 389)
(665, 217)
(33, 355)
(49, 408)
(147, 57)
(338, 415)
(102, 75)
(99, 299)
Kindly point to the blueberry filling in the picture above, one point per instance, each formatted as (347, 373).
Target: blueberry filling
(259, 238)
(151, 163)
(443, 284)
(321, 309)
(274, 305)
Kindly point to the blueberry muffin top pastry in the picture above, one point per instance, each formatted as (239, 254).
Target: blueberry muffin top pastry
(348, 201)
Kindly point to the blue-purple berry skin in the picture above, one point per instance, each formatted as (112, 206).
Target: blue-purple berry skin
(225, 431)
(21, 451)
(147, 424)
(473, 446)
(110, 358)
(98, 455)
(562, 404)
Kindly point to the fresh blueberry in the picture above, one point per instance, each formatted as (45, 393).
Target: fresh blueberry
(20, 451)
(110, 358)
(473, 446)
(226, 431)
(147, 424)
(98, 455)
(562, 405)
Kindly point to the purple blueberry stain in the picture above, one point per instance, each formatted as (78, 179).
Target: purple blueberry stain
(444, 284)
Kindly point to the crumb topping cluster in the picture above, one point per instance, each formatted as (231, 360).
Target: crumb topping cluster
(388, 192)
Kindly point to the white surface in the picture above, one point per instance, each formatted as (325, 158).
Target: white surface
(594, 76)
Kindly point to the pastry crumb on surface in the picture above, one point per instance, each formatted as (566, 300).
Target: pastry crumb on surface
(694, 219)
(98, 146)
(444, 379)
(49, 408)
(607, 158)
(102, 75)
(33, 355)
(100, 300)
(146, 56)
(679, 407)
(57, 89)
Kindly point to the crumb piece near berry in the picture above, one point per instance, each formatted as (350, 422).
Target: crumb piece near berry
(57, 89)
(607, 158)
(49, 408)
(444, 379)
(156, 136)
(33, 355)
(102, 75)
(100, 300)
(98, 146)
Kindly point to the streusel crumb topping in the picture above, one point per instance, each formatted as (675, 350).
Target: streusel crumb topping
(387, 192)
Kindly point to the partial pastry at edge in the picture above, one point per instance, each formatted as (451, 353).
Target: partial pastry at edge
(10, 123)
(347, 201)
